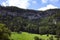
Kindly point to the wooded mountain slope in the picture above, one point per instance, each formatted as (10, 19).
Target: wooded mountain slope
(33, 21)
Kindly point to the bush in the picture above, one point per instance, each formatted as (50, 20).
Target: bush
(47, 35)
(36, 38)
(51, 38)
(4, 32)
(58, 38)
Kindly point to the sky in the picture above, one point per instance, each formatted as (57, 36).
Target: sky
(32, 4)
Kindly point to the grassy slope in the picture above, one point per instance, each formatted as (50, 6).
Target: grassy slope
(28, 36)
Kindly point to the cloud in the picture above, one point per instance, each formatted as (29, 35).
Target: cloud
(54, 0)
(50, 6)
(18, 3)
(46, 1)
(34, 2)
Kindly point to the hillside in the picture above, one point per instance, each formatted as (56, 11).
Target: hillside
(32, 21)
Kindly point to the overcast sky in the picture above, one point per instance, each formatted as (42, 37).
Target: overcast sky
(32, 4)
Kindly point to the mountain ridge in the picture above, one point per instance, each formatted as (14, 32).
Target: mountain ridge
(27, 13)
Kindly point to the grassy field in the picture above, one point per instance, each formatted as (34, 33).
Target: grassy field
(28, 36)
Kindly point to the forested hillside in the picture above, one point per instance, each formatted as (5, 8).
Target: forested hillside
(32, 21)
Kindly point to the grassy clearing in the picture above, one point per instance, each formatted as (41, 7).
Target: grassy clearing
(28, 36)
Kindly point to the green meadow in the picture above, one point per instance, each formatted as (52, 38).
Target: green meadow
(29, 36)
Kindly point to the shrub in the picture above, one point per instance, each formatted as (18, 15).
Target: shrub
(36, 38)
(4, 32)
(51, 38)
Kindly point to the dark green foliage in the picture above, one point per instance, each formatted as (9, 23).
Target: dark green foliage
(47, 34)
(51, 38)
(57, 37)
(37, 38)
(4, 32)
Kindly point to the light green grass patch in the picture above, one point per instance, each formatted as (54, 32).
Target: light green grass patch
(28, 36)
